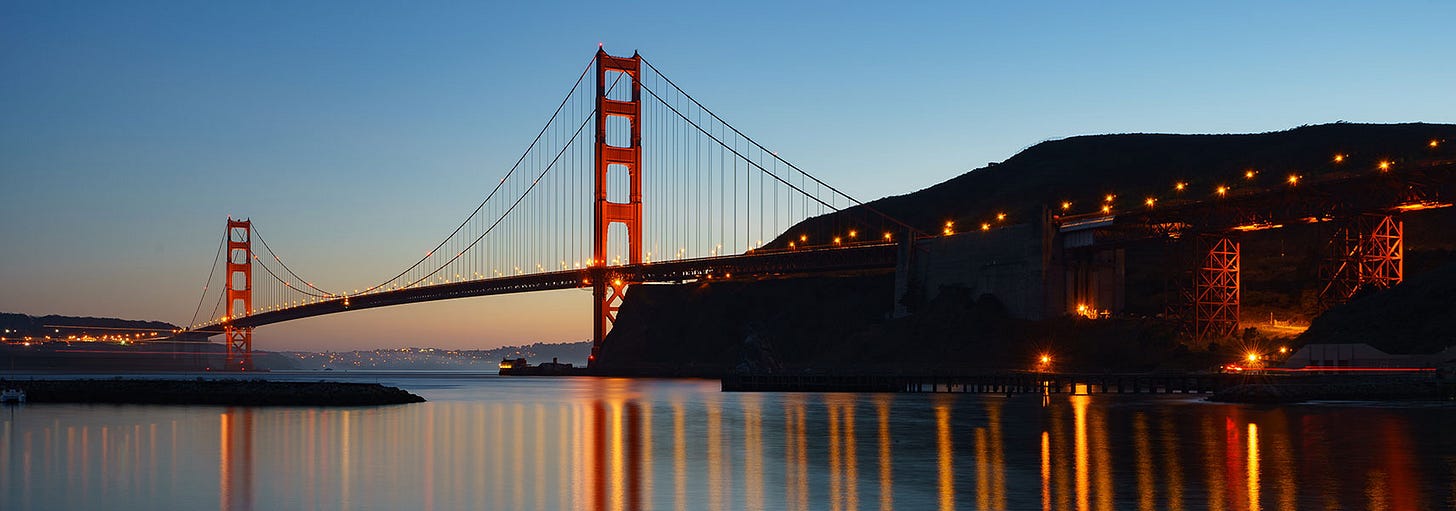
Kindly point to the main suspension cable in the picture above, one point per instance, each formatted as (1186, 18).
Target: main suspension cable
(498, 186)
(213, 271)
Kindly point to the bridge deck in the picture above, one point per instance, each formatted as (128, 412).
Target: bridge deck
(851, 258)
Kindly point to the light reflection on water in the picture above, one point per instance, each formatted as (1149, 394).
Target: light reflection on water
(612, 444)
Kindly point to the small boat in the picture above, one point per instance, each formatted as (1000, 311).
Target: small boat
(12, 396)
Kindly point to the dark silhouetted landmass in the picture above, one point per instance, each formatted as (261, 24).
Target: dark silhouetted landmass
(210, 392)
(1418, 316)
(844, 324)
(41, 326)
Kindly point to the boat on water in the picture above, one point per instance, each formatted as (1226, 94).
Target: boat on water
(519, 367)
(12, 396)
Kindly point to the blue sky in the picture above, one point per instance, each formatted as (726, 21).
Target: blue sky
(357, 133)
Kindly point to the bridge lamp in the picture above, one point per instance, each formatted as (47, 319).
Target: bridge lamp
(1150, 201)
(1384, 165)
(985, 227)
(1066, 205)
(1106, 208)
(1109, 198)
(853, 233)
(1435, 143)
(803, 238)
(1293, 179)
(836, 240)
(1339, 158)
(1179, 186)
(887, 236)
(1249, 174)
(1000, 216)
(1221, 191)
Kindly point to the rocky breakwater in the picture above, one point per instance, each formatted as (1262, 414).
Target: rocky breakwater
(227, 392)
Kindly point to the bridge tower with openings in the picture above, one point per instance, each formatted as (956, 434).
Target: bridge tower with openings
(239, 294)
(609, 289)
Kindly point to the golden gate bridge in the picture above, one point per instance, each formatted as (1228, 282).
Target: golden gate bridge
(571, 213)
(633, 181)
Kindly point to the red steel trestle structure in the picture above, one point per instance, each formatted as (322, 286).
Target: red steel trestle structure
(1216, 287)
(608, 291)
(1368, 252)
(239, 293)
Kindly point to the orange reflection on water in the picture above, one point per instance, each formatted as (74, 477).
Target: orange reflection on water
(1172, 468)
(1212, 463)
(1253, 467)
(946, 453)
(646, 450)
(796, 454)
(564, 420)
(983, 471)
(540, 457)
(617, 456)
(887, 480)
(1147, 499)
(1101, 458)
(235, 469)
(679, 457)
(998, 461)
(1079, 432)
(752, 452)
(1046, 471)
(716, 468)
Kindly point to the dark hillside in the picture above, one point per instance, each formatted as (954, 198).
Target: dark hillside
(1136, 166)
(36, 325)
(1417, 316)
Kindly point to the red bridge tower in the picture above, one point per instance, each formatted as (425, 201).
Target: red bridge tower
(239, 294)
(609, 289)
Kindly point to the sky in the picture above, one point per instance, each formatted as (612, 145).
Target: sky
(357, 134)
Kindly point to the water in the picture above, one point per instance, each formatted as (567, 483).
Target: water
(583, 443)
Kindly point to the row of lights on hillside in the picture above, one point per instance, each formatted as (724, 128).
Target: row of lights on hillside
(1223, 190)
(1293, 179)
(853, 236)
(949, 228)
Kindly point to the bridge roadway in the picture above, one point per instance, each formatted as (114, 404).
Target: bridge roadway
(850, 258)
(1417, 186)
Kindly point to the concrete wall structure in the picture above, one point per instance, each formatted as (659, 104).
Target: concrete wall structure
(1033, 269)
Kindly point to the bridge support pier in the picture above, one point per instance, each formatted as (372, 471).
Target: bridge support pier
(1368, 252)
(1216, 287)
(608, 291)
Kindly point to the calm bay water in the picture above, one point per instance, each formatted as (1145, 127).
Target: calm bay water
(584, 443)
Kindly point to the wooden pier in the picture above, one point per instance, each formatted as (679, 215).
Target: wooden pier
(986, 383)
